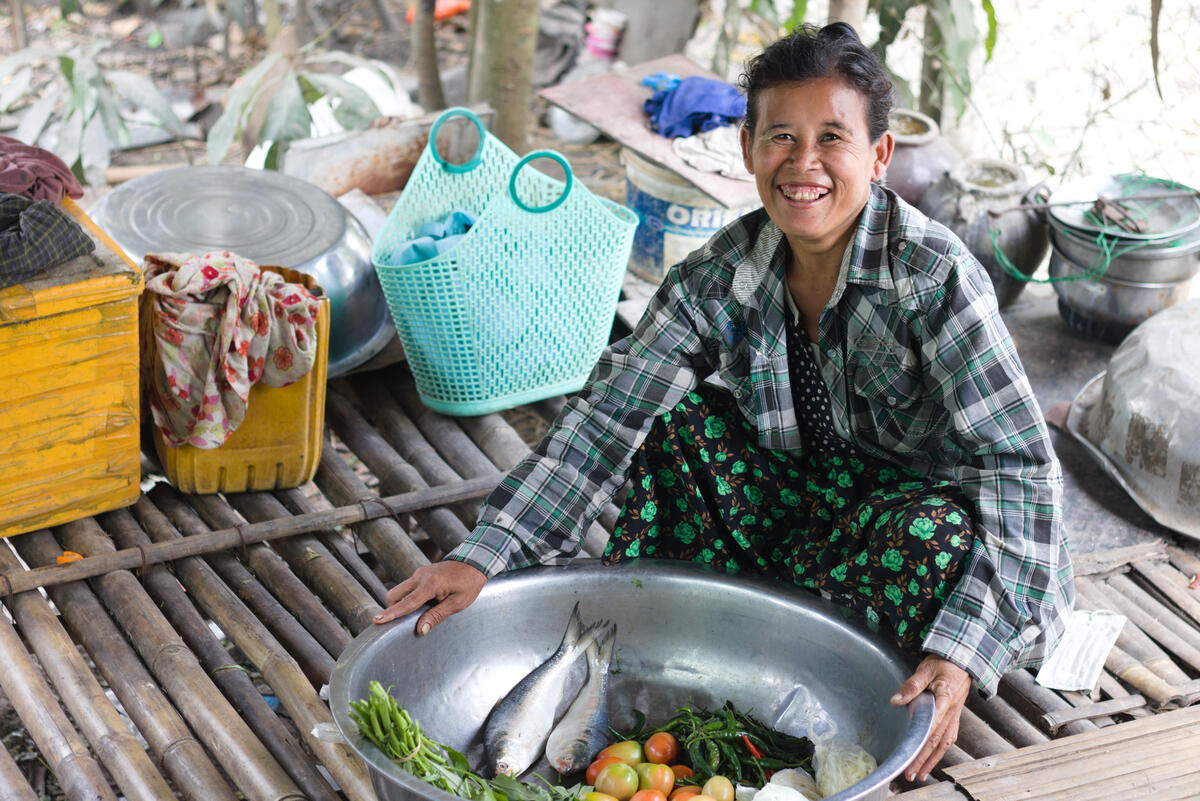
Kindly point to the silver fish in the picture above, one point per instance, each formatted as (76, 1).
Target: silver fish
(583, 731)
(518, 726)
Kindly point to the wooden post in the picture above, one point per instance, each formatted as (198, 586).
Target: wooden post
(168, 594)
(260, 646)
(119, 751)
(424, 53)
(20, 31)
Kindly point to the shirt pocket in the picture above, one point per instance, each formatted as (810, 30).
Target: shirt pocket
(896, 405)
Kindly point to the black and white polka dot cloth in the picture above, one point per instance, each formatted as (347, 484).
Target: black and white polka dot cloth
(814, 414)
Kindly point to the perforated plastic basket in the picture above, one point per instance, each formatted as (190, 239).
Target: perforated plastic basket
(520, 309)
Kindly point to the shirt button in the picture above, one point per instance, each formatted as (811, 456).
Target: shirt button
(830, 353)
(737, 393)
(901, 244)
(891, 400)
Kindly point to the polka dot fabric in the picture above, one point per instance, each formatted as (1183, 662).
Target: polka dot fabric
(810, 395)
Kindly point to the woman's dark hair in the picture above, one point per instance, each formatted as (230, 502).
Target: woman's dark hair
(810, 52)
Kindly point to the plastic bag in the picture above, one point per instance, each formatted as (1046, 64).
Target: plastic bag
(839, 764)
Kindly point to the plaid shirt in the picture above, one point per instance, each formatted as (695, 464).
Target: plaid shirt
(920, 370)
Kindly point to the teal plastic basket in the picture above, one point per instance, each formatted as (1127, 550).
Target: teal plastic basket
(521, 308)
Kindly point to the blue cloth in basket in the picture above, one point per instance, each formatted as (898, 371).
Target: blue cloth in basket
(694, 105)
(435, 238)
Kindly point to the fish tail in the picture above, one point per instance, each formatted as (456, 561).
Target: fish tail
(606, 644)
(574, 630)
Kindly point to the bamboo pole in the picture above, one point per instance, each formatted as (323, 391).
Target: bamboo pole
(164, 588)
(1079, 700)
(312, 657)
(171, 741)
(264, 651)
(1143, 679)
(1184, 562)
(79, 775)
(1133, 640)
(12, 780)
(385, 537)
(1172, 584)
(977, 738)
(131, 558)
(314, 564)
(1127, 588)
(1142, 617)
(1109, 685)
(275, 574)
(399, 431)
(339, 546)
(394, 474)
(1060, 719)
(1006, 721)
(1031, 699)
(116, 746)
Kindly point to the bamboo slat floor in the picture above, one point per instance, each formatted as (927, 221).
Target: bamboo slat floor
(261, 591)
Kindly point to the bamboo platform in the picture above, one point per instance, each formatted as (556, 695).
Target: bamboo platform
(183, 656)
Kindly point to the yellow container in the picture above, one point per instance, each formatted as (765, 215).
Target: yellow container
(278, 444)
(69, 442)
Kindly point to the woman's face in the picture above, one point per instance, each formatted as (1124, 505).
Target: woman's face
(813, 160)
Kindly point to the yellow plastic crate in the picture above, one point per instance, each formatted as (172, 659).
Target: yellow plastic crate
(69, 442)
(278, 444)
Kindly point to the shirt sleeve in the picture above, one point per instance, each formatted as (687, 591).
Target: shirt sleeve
(539, 512)
(1006, 611)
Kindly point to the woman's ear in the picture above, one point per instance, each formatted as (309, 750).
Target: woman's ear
(883, 155)
(744, 136)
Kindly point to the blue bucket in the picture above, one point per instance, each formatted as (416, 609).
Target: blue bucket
(674, 217)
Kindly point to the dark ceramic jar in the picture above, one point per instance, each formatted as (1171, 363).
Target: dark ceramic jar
(921, 157)
(966, 201)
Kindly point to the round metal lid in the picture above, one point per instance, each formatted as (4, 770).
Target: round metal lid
(261, 215)
(1165, 218)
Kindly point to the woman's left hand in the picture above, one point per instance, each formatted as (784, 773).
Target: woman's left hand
(950, 685)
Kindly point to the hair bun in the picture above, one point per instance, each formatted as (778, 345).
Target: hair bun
(836, 31)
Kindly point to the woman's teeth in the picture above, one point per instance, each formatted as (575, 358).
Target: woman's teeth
(801, 194)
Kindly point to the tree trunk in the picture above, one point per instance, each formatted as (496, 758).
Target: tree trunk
(511, 41)
(931, 70)
(274, 23)
(429, 78)
(853, 12)
(20, 34)
(477, 69)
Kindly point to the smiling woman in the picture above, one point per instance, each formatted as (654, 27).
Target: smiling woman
(874, 437)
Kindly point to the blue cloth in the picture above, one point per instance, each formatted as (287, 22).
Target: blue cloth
(434, 238)
(660, 81)
(695, 105)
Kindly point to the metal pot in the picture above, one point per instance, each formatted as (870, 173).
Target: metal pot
(1110, 300)
(1146, 264)
(267, 217)
(965, 200)
(684, 634)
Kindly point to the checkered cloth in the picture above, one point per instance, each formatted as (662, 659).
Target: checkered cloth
(36, 235)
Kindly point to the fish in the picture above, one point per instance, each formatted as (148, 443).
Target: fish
(583, 730)
(516, 730)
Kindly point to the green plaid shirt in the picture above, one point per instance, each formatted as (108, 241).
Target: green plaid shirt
(920, 370)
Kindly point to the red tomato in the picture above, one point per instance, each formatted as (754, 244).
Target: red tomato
(682, 772)
(685, 793)
(595, 767)
(628, 751)
(648, 795)
(655, 777)
(618, 780)
(661, 747)
(718, 788)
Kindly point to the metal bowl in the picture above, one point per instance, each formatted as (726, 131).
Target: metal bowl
(1147, 264)
(1109, 300)
(267, 217)
(685, 634)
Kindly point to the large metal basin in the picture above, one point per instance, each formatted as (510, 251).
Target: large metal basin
(685, 634)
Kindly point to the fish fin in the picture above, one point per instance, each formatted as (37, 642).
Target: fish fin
(574, 630)
(607, 644)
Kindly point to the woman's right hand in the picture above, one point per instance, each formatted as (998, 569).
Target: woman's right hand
(451, 585)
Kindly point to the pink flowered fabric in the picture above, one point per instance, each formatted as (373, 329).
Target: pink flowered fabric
(220, 325)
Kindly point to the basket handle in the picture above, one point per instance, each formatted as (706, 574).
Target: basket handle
(541, 154)
(474, 161)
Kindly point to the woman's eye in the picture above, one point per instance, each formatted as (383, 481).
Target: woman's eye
(830, 137)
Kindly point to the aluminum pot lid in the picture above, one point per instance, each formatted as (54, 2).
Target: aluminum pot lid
(1140, 420)
(1165, 218)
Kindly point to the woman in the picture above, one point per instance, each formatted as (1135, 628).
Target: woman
(876, 438)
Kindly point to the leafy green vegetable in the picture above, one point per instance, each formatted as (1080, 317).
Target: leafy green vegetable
(392, 730)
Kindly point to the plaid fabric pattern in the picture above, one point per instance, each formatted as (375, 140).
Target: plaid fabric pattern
(920, 368)
(35, 236)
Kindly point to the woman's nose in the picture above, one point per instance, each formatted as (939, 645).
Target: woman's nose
(803, 155)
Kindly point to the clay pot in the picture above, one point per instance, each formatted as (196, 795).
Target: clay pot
(961, 201)
(921, 156)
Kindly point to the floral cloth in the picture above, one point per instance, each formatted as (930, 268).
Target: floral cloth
(220, 325)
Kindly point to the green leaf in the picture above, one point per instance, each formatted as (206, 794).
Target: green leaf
(141, 92)
(67, 65)
(271, 160)
(799, 11)
(12, 91)
(68, 7)
(110, 114)
(353, 108)
(27, 56)
(311, 93)
(34, 120)
(70, 135)
(83, 80)
(989, 43)
(287, 116)
(94, 151)
(237, 103)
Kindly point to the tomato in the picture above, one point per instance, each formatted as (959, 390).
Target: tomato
(655, 777)
(628, 751)
(594, 796)
(661, 747)
(685, 793)
(682, 772)
(648, 795)
(594, 768)
(719, 788)
(618, 780)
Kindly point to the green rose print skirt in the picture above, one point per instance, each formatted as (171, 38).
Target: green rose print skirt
(876, 537)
